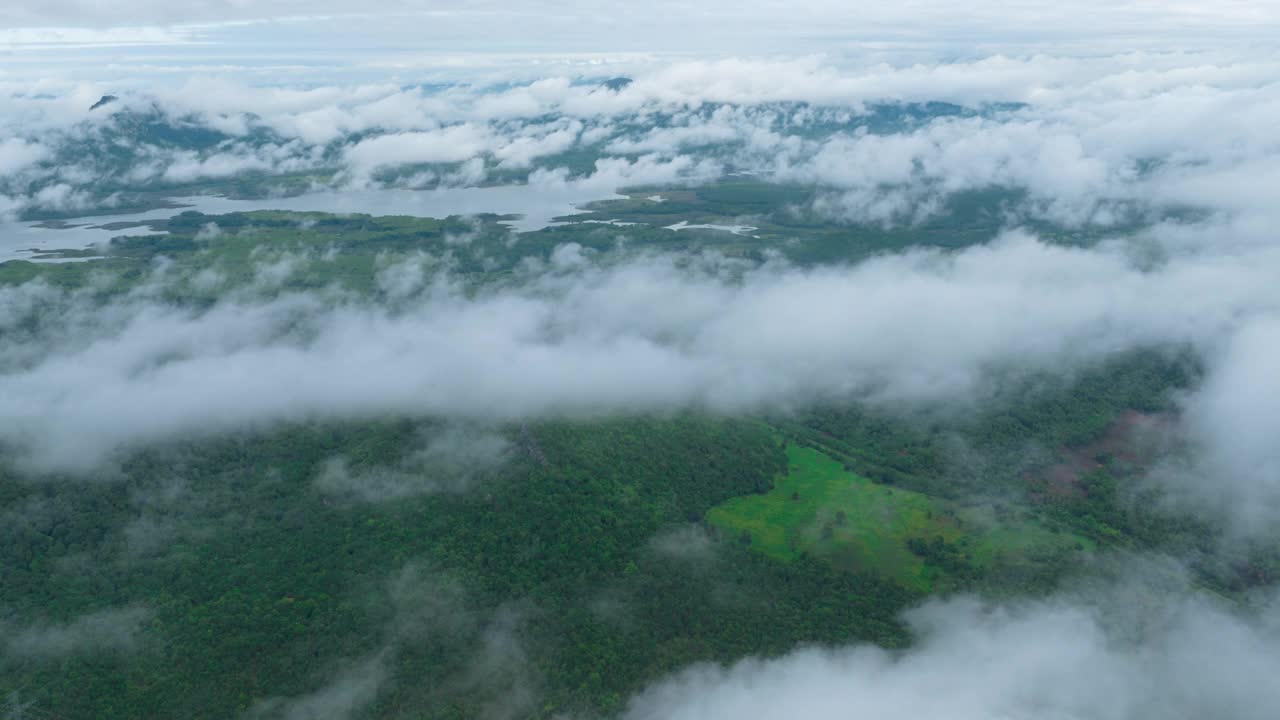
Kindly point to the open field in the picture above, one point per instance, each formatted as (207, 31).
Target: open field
(821, 509)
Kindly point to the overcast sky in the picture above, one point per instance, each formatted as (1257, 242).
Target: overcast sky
(288, 39)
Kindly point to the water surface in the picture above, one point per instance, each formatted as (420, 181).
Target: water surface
(535, 205)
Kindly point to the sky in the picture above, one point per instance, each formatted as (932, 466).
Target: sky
(306, 41)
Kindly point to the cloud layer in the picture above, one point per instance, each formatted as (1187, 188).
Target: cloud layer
(557, 26)
(1175, 145)
(1090, 140)
(648, 334)
(1186, 659)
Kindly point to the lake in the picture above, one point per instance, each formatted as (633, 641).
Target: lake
(535, 205)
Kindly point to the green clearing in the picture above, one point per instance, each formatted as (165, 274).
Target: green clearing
(1001, 540)
(801, 514)
(821, 509)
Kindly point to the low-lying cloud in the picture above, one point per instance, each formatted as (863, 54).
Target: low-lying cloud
(491, 661)
(1100, 140)
(653, 333)
(1187, 658)
(109, 631)
(1234, 467)
(450, 459)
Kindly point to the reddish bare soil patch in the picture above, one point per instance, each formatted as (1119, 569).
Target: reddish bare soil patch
(1134, 440)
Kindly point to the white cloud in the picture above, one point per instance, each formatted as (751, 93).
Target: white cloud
(542, 27)
(114, 630)
(1186, 659)
(1097, 137)
(187, 166)
(1233, 422)
(17, 154)
(30, 38)
(450, 460)
(1094, 135)
(351, 690)
(446, 145)
(644, 335)
(526, 147)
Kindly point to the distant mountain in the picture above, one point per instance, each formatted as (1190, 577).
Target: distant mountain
(104, 100)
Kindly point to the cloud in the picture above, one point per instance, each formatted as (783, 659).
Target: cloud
(648, 334)
(35, 38)
(721, 127)
(557, 27)
(17, 154)
(950, 156)
(1234, 473)
(450, 460)
(1089, 139)
(500, 669)
(114, 630)
(488, 661)
(525, 148)
(1176, 658)
(421, 603)
(189, 166)
(351, 689)
(684, 542)
(447, 145)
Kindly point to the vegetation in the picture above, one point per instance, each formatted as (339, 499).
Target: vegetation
(350, 249)
(259, 582)
(822, 510)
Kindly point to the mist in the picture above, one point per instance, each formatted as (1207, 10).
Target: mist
(1092, 140)
(1187, 657)
(644, 334)
(105, 632)
(451, 459)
